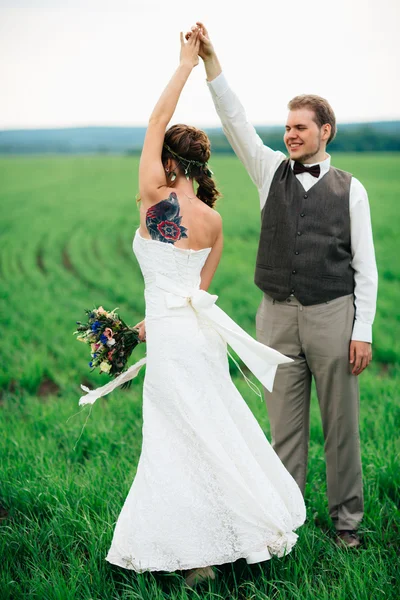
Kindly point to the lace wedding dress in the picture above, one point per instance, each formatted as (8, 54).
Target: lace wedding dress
(209, 488)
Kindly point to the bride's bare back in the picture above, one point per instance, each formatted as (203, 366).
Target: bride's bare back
(187, 223)
(183, 221)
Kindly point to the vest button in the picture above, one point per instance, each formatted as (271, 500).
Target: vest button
(302, 215)
(294, 271)
(288, 299)
(292, 291)
(305, 196)
(296, 252)
(299, 233)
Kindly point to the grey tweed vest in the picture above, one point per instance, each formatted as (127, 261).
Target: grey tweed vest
(305, 245)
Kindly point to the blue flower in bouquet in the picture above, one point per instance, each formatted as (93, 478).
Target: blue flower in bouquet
(95, 326)
(90, 364)
(103, 338)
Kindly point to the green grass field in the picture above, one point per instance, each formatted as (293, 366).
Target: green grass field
(65, 245)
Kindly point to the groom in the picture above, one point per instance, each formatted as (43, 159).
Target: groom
(316, 268)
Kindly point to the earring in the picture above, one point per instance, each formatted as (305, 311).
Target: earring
(172, 176)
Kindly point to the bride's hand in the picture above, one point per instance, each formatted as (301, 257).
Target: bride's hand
(190, 50)
(142, 330)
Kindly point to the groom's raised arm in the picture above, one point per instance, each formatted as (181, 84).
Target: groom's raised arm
(260, 161)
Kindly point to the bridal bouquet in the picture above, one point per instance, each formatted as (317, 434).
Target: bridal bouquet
(111, 340)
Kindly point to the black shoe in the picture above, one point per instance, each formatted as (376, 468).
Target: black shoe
(347, 538)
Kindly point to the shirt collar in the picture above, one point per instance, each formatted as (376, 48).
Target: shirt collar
(324, 164)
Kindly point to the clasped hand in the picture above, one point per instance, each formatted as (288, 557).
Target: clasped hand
(206, 49)
(190, 50)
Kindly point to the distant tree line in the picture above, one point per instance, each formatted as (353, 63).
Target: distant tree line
(362, 139)
(381, 136)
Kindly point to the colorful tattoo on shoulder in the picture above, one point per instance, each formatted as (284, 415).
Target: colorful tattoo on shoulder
(164, 222)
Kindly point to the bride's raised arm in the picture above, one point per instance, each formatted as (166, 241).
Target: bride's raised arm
(151, 169)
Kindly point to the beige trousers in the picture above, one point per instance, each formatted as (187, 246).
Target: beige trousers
(317, 338)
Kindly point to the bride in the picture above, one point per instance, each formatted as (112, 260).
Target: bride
(209, 488)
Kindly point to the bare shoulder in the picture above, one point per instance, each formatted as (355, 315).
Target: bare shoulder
(213, 220)
(215, 217)
(209, 212)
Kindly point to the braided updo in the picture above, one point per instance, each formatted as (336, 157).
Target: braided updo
(192, 144)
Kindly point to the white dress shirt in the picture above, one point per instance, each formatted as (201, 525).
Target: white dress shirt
(261, 163)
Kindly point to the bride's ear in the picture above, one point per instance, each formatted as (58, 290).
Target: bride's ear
(170, 166)
(170, 170)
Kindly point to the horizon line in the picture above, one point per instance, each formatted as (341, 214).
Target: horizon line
(144, 126)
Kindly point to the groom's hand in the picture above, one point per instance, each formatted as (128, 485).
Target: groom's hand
(360, 356)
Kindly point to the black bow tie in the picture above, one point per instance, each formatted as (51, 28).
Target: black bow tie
(315, 170)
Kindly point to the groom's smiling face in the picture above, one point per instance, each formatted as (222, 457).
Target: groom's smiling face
(303, 137)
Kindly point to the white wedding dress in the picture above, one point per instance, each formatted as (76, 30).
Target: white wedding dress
(209, 488)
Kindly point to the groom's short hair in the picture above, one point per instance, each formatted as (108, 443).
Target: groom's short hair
(322, 110)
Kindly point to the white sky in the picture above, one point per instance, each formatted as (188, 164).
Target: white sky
(97, 62)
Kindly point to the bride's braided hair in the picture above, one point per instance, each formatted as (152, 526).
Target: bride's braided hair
(191, 148)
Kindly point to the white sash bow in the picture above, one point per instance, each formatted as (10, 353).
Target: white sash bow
(262, 360)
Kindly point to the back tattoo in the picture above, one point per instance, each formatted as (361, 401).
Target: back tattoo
(164, 222)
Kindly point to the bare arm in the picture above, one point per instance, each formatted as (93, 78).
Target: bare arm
(213, 259)
(151, 170)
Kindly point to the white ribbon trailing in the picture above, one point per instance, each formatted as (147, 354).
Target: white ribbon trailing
(127, 375)
(260, 359)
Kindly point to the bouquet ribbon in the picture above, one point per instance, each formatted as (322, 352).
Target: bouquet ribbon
(127, 375)
(262, 360)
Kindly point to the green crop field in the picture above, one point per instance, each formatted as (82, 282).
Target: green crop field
(66, 233)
